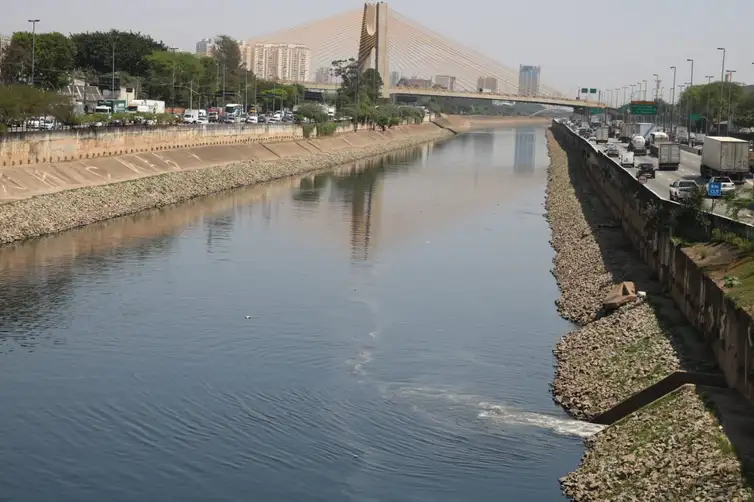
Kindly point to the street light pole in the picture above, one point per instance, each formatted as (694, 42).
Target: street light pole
(645, 89)
(706, 120)
(672, 98)
(172, 88)
(730, 92)
(722, 81)
(691, 96)
(33, 47)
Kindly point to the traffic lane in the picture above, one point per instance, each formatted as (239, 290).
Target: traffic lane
(687, 170)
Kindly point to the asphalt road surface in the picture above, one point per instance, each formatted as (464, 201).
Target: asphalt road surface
(688, 170)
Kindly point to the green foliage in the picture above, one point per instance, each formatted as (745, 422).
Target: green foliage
(94, 51)
(308, 130)
(20, 102)
(313, 112)
(326, 129)
(53, 60)
(709, 100)
(735, 240)
(165, 68)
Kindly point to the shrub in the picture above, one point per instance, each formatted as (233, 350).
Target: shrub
(326, 129)
(308, 129)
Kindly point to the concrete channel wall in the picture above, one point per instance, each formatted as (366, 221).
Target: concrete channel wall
(24, 181)
(727, 328)
(41, 147)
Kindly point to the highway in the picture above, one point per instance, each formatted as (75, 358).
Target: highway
(688, 170)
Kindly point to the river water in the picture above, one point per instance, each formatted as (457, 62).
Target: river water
(381, 332)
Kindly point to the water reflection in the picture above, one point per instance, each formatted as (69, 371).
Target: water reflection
(525, 157)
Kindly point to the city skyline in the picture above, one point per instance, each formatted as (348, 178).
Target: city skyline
(553, 45)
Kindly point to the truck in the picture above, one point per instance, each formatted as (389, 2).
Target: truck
(725, 156)
(602, 133)
(195, 116)
(627, 159)
(214, 114)
(626, 131)
(638, 145)
(146, 106)
(233, 113)
(115, 105)
(668, 154)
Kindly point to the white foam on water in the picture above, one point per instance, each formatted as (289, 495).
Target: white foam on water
(499, 414)
(559, 425)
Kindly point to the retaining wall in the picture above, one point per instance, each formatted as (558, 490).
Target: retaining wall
(41, 147)
(21, 182)
(727, 328)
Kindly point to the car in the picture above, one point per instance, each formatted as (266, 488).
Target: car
(682, 189)
(646, 170)
(726, 185)
(612, 150)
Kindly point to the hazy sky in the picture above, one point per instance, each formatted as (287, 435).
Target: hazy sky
(605, 44)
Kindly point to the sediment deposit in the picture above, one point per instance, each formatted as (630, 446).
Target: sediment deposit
(671, 450)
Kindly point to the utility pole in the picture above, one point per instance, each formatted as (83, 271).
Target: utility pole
(246, 92)
(112, 77)
(191, 94)
(672, 98)
(223, 86)
(691, 96)
(217, 80)
(722, 84)
(172, 88)
(730, 92)
(33, 47)
(706, 119)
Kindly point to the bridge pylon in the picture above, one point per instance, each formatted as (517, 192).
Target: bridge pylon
(373, 44)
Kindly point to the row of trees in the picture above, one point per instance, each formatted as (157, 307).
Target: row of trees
(720, 99)
(135, 60)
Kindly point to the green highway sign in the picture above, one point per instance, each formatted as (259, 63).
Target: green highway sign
(584, 90)
(596, 110)
(592, 91)
(696, 117)
(643, 108)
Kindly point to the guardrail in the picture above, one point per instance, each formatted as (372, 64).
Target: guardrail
(626, 183)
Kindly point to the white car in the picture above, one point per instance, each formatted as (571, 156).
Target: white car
(682, 189)
(726, 185)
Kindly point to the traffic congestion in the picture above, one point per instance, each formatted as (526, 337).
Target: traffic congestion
(718, 167)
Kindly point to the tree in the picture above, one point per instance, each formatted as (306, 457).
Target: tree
(313, 112)
(94, 51)
(19, 102)
(166, 68)
(228, 57)
(53, 59)
(372, 82)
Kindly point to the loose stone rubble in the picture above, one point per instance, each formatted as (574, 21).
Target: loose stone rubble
(74, 208)
(671, 450)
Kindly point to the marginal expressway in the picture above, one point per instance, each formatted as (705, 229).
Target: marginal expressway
(688, 170)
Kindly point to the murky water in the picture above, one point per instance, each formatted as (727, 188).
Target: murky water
(378, 333)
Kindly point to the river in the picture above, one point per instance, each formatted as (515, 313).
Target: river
(380, 332)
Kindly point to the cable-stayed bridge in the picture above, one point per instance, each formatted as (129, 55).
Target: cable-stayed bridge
(379, 37)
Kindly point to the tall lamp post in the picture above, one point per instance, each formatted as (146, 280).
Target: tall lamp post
(672, 98)
(730, 92)
(706, 119)
(691, 96)
(33, 46)
(722, 80)
(172, 87)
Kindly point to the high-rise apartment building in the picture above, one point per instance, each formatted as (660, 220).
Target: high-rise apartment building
(323, 76)
(247, 54)
(395, 77)
(206, 47)
(488, 84)
(290, 62)
(528, 80)
(446, 82)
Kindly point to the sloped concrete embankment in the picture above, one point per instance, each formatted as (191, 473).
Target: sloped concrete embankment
(671, 450)
(55, 197)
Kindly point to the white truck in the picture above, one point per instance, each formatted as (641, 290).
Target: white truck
(146, 106)
(602, 134)
(626, 131)
(668, 154)
(638, 145)
(724, 156)
(191, 116)
(627, 159)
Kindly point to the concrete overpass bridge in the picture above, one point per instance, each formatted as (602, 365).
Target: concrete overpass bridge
(402, 51)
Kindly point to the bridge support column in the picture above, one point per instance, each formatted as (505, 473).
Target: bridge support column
(374, 39)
